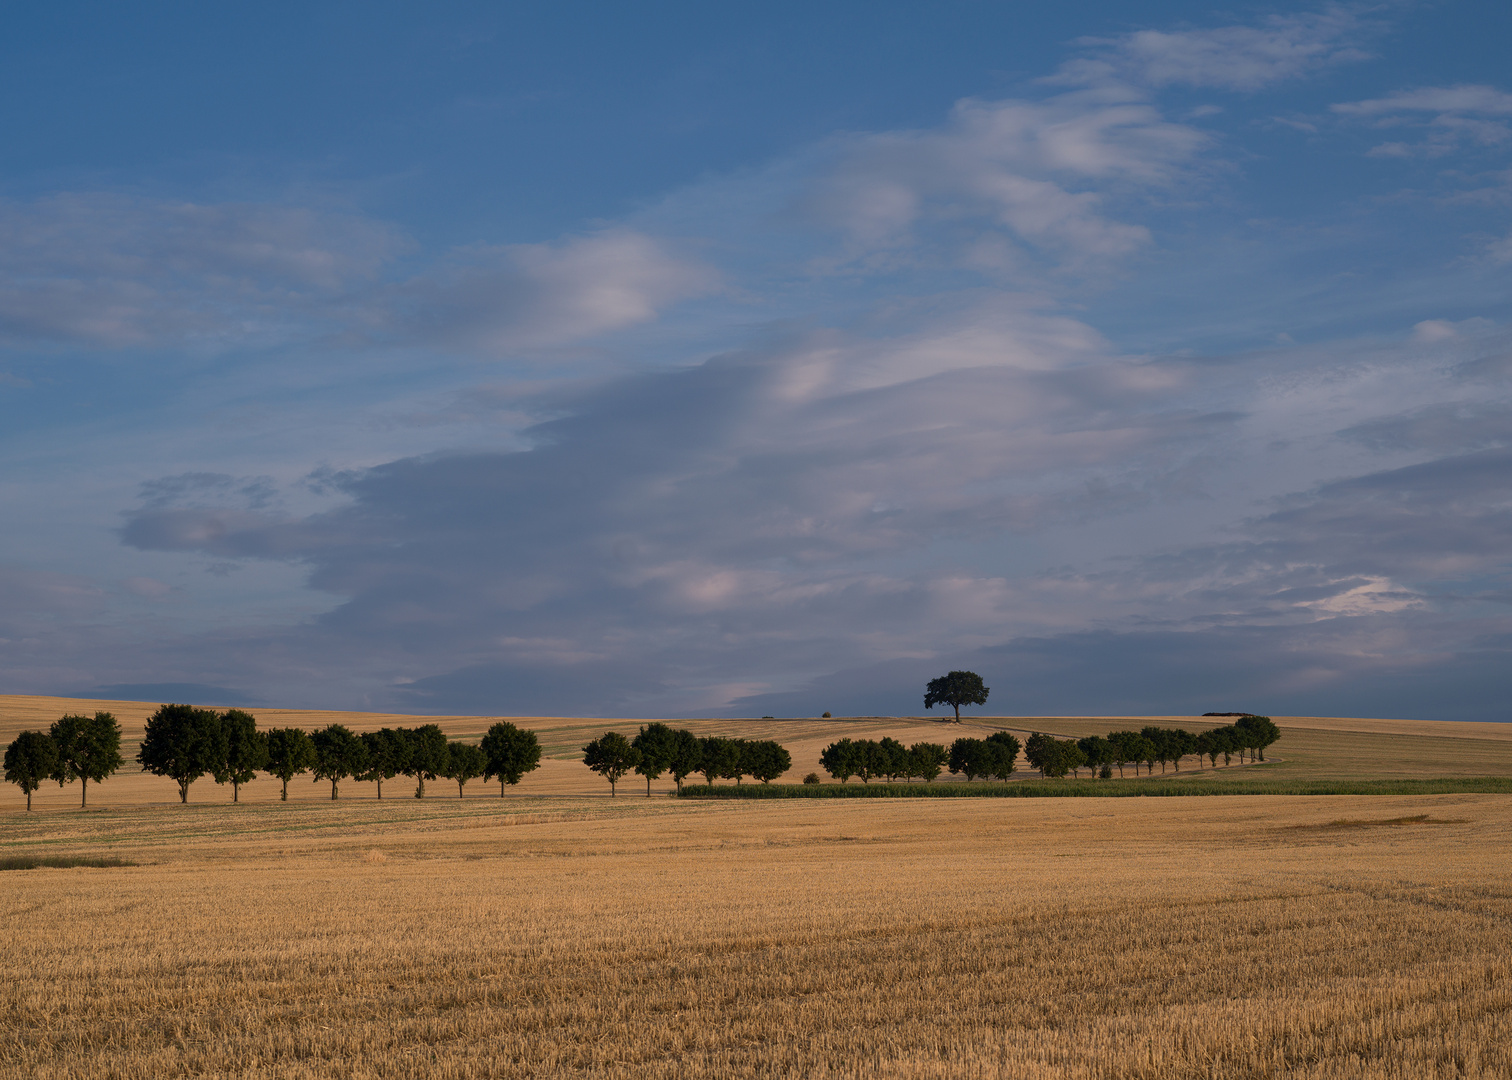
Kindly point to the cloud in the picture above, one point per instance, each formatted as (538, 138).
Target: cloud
(1039, 173)
(1460, 115)
(177, 692)
(1242, 58)
(115, 271)
(495, 300)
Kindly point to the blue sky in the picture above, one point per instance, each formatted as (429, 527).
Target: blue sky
(702, 360)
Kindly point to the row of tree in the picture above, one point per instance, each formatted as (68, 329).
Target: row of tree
(996, 755)
(680, 754)
(185, 743)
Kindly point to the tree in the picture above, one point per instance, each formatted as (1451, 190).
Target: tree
(338, 755)
(246, 751)
(1225, 742)
(425, 754)
(768, 760)
(739, 762)
(30, 759)
(1122, 745)
(955, 689)
(684, 756)
(1262, 730)
(1005, 753)
(839, 759)
(868, 759)
(1182, 743)
(89, 748)
(464, 762)
(1146, 751)
(183, 743)
(926, 759)
(1096, 750)
(611, 756)
(290, 752)
(512, 752)
(969, 756)
(384, 752)
(655, 745)
(717, 757)
(1039, 751)
(892, 758)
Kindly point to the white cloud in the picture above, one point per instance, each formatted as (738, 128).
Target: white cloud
(1040, 173)
(495, 300)
(1244, 58)
(1461, 115)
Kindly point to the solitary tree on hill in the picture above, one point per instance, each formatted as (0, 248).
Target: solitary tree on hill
(89, 748)
(511, 752)
(30, 759)
(955, 689)
(611, 756)
(183, 743)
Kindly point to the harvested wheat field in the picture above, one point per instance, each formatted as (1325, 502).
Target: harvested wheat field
(1230, 937)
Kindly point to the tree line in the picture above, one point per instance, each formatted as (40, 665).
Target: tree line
(679, 753)
(996, 755)
(185, 743)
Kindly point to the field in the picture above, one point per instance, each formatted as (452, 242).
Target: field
(559, 932)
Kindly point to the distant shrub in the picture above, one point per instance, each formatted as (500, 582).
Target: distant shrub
(811, 778)
(826, 716)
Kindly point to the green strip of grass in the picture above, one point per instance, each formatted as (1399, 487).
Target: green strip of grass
(1061, 789)
(36, 862)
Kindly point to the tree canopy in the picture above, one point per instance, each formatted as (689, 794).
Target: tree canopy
(338, 755)
(611, 756)
(89, 748)
(464, 762)
(30, 759)
(511, 752)
(183, 743)
(246, 751)
(290, 752)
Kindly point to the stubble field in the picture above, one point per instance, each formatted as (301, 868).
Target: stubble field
(1334, 936)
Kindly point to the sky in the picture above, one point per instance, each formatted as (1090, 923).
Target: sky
(685, 359)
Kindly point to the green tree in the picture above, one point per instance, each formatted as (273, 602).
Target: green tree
(611, 756)
(955, 689)
(1225, 739)
(768, 760)
(1005, 749)
(290, 752)
(839, 759)
(685, 756)
(183, 743)
(654, 742)
(338, 755)
(971, 757)
(717, 756)
(383, 751)
(1181, 743)
(892, 758)
(30, 759)
(1262, 731)
(512, 752)
(246, 751)
(926, 759)
(868, 759)
(739, 762)
(1096, 750)
(464, 762)
(1123, 745)
(89, 748)
(425, 754)
(1040, 753)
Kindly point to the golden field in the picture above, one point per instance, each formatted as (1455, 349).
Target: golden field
(560, 934)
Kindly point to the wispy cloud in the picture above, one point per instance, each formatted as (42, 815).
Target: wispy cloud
(1446, 118)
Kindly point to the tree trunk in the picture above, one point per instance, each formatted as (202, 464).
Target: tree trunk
(83, 791)
(28, 800)
(183, 791)
(957, 712)
(648, 787)
(333, 788)
(459, 788)
(380, 788)
(285, 796)
(611, 789)
(501, 787)
(420, 788)
(235, 792)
